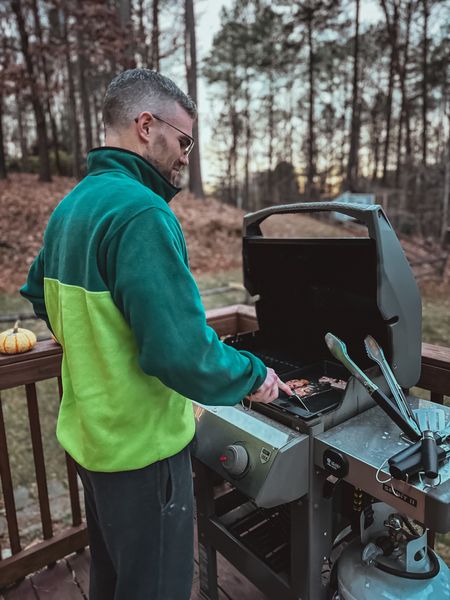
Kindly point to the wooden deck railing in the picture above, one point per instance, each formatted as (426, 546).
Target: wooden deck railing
(43, 363)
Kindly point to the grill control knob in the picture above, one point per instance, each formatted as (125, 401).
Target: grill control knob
(235, 460)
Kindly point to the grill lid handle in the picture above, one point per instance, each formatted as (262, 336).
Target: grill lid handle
(366, 214)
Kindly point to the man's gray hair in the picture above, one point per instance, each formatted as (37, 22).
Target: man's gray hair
(136, 90)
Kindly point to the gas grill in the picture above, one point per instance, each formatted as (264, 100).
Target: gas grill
(281, 488)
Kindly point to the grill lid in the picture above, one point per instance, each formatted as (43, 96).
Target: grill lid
(349, 286)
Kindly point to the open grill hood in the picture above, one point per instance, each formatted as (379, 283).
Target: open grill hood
(349, 286)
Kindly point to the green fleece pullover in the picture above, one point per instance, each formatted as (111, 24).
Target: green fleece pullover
(113, 283)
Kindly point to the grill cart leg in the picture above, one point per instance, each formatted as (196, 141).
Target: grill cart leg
(319, 538)
(311, 538)
(204, 493)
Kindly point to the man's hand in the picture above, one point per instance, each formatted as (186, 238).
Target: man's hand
(269, 389)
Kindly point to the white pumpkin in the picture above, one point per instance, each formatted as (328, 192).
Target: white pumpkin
(16, 340)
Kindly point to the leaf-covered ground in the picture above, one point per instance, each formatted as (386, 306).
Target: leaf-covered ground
(213, 230)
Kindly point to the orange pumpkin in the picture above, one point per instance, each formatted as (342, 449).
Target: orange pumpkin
(16, 340)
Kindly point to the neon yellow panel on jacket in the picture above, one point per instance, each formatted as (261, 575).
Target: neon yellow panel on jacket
(113, 282)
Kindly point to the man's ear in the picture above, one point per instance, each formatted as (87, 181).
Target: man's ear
(143, 124)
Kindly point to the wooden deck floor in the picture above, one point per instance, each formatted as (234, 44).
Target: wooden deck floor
(69, 580)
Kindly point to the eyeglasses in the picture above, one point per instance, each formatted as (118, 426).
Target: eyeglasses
(186, 144)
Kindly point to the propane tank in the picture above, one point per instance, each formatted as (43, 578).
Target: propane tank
(391, 560)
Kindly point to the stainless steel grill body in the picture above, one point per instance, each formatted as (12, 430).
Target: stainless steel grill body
(295, 476)
(273, 453)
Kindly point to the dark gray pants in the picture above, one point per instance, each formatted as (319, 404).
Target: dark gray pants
(140, 526)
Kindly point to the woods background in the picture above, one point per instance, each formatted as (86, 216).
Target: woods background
(305, 99)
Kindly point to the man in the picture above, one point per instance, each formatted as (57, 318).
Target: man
(113, 283)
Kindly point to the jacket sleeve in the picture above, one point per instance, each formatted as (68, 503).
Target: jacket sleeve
(33, 290)
(152, 286)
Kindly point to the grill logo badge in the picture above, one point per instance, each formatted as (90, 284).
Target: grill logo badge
(264, 455)
(335, 463)
(408, 499)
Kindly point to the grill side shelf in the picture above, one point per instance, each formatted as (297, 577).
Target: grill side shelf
(369, 439)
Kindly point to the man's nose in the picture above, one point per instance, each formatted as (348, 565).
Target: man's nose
(184, 159)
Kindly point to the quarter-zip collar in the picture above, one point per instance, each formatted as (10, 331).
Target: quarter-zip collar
(107, 159)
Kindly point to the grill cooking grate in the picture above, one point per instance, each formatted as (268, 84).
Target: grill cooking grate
(271, 358)
(319, 399)
(278, 365)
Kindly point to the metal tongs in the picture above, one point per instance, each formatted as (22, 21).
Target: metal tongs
(423, 453)
(339, 350)
(375, 353)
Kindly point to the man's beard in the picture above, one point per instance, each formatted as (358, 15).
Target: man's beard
(175, 179)
(170, 172)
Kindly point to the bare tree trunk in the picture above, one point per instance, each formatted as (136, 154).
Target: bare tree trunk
(343, 127)
(3, 66)
(401, 69)
(124, 11)
(404, 110)
(390, 94)
(311, 170)
(82, 69)
(128, 37)
(3, 171)
(408, 144)
(445, 199)
(77, 171)
(271, 135)
(53, 129)
(155, 35)
(248, 141)
(352, 167)
(392, 30)
(425, 82)
(290, 127)
(375, 135)
(142, 35)
(24, 163)
(41, 129)
(195, 174)
(234, 198)
(97, 124)
(376, 156)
